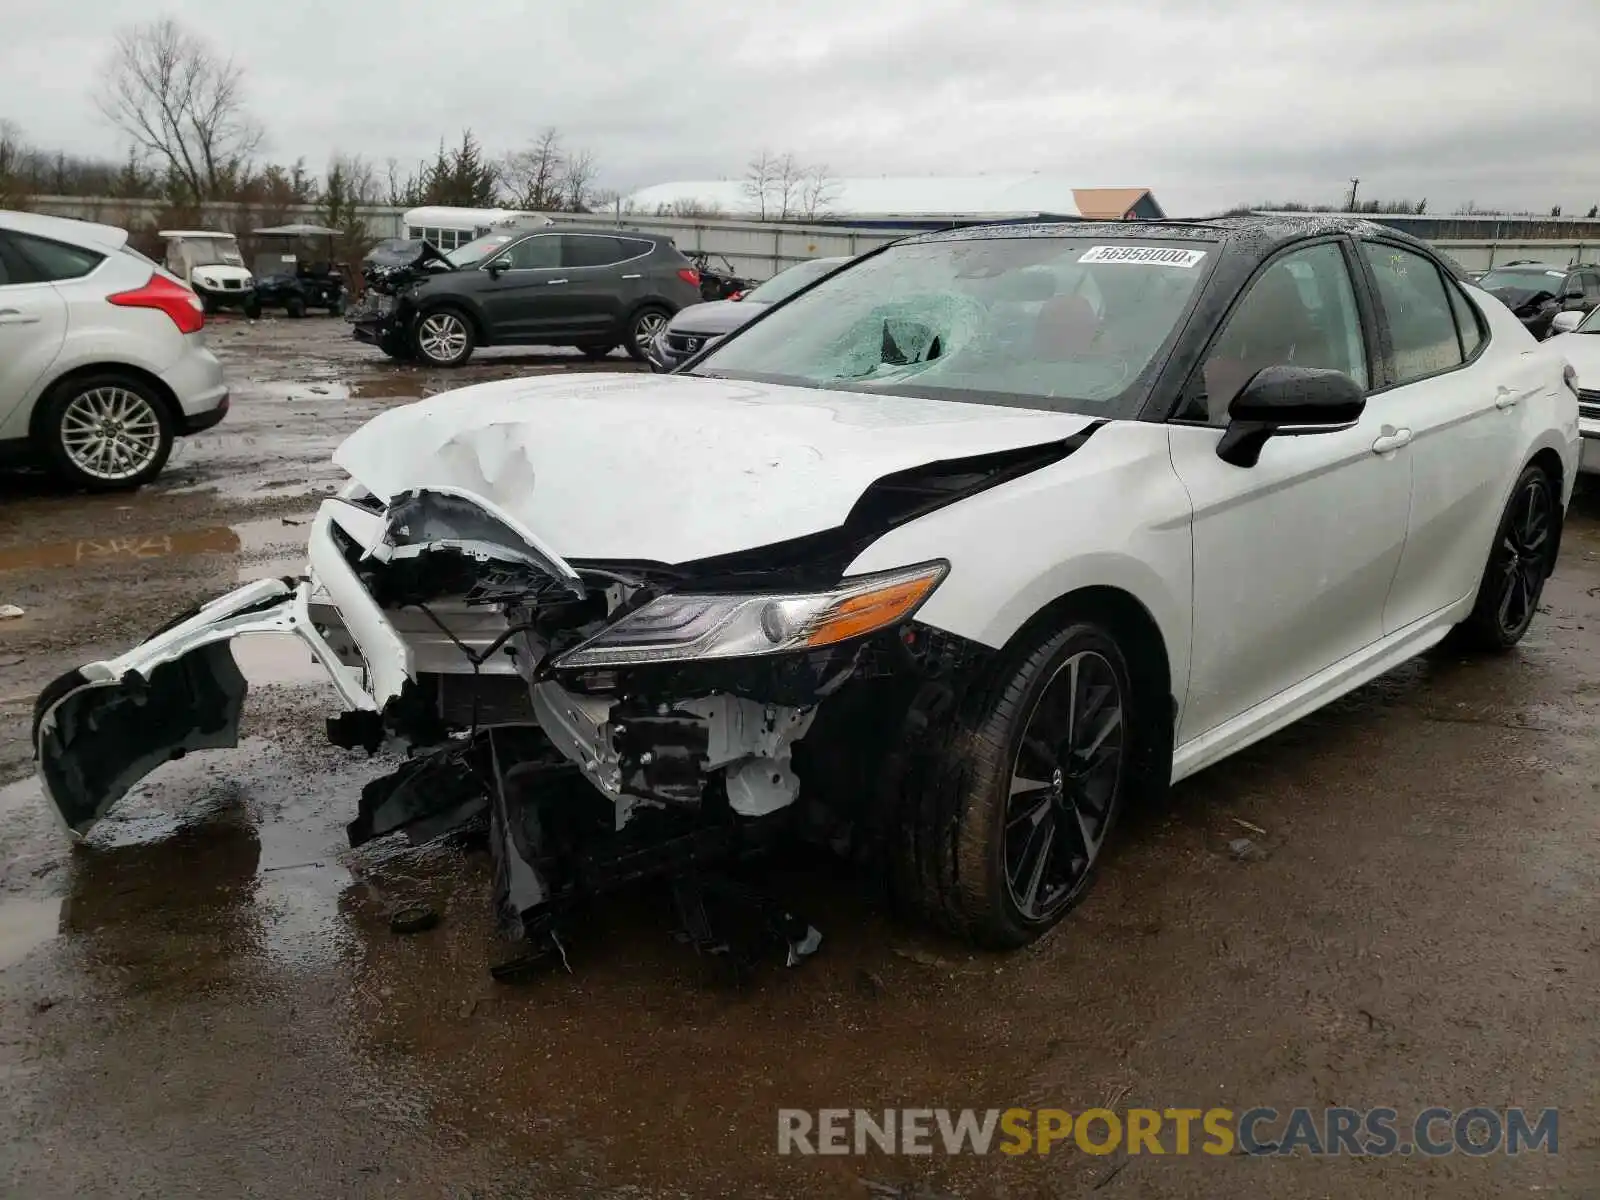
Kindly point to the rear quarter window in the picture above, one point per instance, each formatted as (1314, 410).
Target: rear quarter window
(51, 261)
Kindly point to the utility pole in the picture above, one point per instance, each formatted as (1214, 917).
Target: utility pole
(1354, 184)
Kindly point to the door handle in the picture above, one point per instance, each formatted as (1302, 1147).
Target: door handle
(1505, 398)
(553, 282)
(1391, 440)
(15, 316)
(633, 276)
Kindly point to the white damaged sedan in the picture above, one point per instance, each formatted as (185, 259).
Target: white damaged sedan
(945, 561)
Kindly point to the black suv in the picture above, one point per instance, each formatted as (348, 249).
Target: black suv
(544, 287)
(1536, 291)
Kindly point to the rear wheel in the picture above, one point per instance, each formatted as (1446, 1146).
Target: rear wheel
(1520, 561)
(444, 337)
(295, 307)
(642, 330)
(106, 432)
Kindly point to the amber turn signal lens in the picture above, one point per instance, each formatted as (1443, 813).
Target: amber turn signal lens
(872, 610)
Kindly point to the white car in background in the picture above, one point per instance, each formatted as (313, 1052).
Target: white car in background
(102, 359)
(1575, 336)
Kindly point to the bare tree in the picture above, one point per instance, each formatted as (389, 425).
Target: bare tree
(536, 177)
(757, 183)
(818, 189)
(577, 180)
(787, 177)
(178, 101)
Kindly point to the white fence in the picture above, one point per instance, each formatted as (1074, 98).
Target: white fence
(755, 249)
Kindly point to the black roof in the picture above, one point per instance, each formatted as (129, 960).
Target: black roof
(1253, 231)
(1254, 236)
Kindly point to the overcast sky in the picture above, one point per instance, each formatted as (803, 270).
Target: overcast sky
(1210, 102)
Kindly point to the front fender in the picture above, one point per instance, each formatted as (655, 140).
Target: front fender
(1112, 514)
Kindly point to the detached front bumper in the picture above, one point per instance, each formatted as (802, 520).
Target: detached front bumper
(99, 729)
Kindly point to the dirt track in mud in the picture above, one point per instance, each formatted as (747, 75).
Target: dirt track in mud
(207, 998)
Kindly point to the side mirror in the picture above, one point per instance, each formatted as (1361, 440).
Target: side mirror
(1566, 322)
(498, 266)
(1287, 401)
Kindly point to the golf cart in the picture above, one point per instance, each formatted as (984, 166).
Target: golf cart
(296, 271)
(210, 263)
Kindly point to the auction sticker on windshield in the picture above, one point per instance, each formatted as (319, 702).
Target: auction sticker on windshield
(1155, 256)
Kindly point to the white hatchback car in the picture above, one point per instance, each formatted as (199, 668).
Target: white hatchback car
(948, 559)
(102, 359)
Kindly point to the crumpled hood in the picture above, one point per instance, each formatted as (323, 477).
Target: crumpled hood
(671, 468)
(1515, 297)
(717, 317)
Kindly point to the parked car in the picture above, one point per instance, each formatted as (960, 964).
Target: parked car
(947, 561)
(1575, 339)
(102, 359)
(700, 325)
(520, 288)
(211, 264)
(1536, 292)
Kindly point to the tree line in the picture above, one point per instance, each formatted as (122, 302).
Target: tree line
(181, 107)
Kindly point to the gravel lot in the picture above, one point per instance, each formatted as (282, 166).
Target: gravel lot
(206, 998)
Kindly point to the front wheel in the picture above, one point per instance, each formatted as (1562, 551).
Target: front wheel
(295, 307)
(1007, 836)
(443, 338)
(1521, 559)
(252, 309)
(642, 330)
(106, 433)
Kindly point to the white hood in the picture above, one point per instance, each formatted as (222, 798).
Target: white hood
(670, 468)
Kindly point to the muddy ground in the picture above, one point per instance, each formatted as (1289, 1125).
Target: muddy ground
(207, 999)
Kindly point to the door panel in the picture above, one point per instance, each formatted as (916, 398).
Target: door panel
(33, 325)
(1293, 557)
(1293, 560)
(1461, 419)
(525, 304)
(592, 297)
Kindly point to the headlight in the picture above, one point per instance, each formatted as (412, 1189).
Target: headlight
(682, 627)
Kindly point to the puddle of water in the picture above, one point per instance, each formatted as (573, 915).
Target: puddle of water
(25, 925)
(249, 537)
(301, 391)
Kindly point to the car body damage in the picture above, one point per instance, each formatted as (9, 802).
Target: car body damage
(610, 716)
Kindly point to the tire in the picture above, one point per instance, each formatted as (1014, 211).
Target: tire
(294, 307)
(252, 309)
(642, 328)
(105, 432)
(1521, 559)
(208, 306)
(336, 309)
(995, 862)
(443, 337)
(596, 353)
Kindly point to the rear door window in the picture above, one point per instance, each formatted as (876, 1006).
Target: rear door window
(1422, 326)
(51, 261)
(589, 250)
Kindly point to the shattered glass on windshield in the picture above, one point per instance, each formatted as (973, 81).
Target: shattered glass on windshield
(1053, 323)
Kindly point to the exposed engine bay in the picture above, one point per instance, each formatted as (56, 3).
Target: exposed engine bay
(604, 721)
